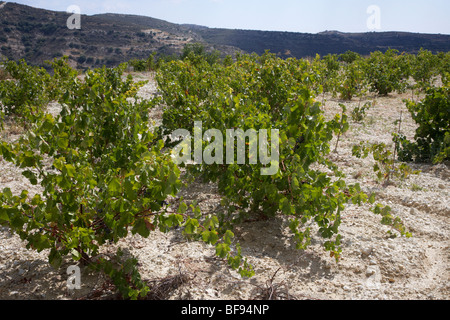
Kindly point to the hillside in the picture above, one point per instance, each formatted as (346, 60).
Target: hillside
(38, 35)
(304, 44)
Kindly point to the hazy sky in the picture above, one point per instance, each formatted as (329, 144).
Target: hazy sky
(430, 16)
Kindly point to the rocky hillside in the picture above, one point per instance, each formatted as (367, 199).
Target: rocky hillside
(38, 35)
(299, 45)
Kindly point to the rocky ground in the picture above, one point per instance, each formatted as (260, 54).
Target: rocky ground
(373, 265)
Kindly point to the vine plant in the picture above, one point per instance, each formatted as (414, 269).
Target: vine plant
(265, 93)
(102, 174)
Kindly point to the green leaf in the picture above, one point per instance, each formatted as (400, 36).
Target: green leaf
(222, 250)
(30, 176)
(3, 215)
(63, 182)
(212, 222)
(191, 226)
(295, 184)
(175, 220)
(227, 237)
(7, 193)
(372, 198)
(17, 221)
(210, 237)
(75, 255)
(182, 208)
(130, 191)
(114, 186)
(63, 141)
(140, 227)
(285, 206)
(55, 258)
(70, 170)
(172, 177)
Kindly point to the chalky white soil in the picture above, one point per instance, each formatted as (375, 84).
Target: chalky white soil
(373, 265)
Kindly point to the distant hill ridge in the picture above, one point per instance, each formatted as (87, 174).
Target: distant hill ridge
(38, 35)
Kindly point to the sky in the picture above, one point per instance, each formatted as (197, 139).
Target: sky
(313, 16)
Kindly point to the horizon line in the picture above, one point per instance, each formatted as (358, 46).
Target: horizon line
(237, 29)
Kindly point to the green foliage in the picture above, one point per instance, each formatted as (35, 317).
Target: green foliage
(332, 62)
(195, 52)
(63, 79)
(431, 138)
(124, 274)
(325, 71)
(384, 166)
(25, 94)
(227, 61)
(138, 65)
(351, 80)
(444, 66)
(149, 64)
(3, 74)
(424, 68)
(152, 62)
(256, 93)
(386, 72)
(444, 153)
(389, 220)
(343, 124)
(359, 112)
(103, 174)
(349, 57)
(100, 182)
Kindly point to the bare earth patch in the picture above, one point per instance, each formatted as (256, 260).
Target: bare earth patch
(373, 265)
